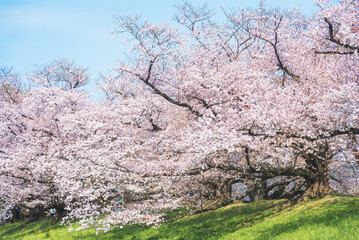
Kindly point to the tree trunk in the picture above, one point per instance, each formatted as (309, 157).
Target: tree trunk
(317, 187)
(225, 194)
(60, 212)
(253, 191)
(36, 214)
(254, 196)
(317, 182)
(13, 215)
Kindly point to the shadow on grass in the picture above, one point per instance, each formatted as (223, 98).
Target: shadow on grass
(210, 225)
(330, 215)
(23, 228)
(219, 223)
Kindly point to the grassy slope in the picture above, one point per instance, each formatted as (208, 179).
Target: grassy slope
(330, 218)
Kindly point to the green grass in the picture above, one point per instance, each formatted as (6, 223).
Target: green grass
(329, 218)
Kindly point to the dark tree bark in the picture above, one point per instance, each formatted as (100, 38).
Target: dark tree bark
(60, 211)
(36, 213)
(317, 183)
(224, 194)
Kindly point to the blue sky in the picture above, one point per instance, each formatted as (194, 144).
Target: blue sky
(38, 31)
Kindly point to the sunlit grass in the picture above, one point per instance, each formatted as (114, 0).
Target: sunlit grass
(329, 218)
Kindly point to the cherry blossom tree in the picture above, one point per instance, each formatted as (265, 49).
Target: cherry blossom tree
(29, 135)
(60, 73)
(280, 109)
(10, 84)
(267, 98)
